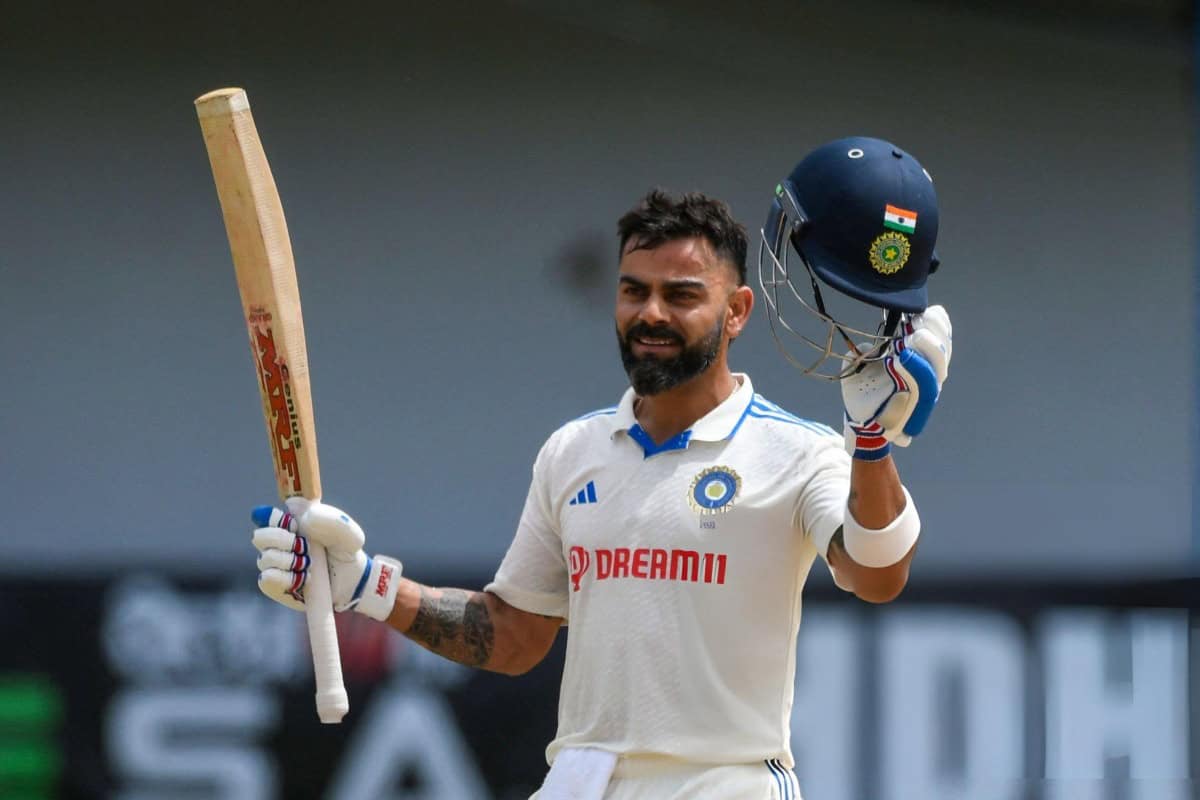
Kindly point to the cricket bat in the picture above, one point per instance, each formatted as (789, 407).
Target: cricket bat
(266, 278)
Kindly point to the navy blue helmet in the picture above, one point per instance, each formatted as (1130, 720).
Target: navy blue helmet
(862, 215)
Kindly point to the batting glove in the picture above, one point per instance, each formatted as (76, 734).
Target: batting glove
(889, 401)
(356, 581)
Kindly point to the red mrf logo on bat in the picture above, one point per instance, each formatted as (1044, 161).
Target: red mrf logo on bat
(649, 563)
(277, 396)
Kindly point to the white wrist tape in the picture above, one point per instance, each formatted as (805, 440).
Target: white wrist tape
(379, 593)
(884, 547)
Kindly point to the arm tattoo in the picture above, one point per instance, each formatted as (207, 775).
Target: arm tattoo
(455, 624)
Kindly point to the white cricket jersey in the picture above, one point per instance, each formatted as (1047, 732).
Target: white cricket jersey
(679, 569)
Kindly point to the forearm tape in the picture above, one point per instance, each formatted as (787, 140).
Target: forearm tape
(884, 547)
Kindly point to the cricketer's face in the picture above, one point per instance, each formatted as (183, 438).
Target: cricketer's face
(678, 305)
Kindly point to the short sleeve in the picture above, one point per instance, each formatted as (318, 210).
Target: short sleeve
(821, 507)
(533, 575)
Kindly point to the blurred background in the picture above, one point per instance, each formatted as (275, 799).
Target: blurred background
(452, 174)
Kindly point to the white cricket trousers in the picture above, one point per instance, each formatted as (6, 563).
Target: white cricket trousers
(661, 779)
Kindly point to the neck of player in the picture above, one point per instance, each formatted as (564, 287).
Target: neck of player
(672, 412)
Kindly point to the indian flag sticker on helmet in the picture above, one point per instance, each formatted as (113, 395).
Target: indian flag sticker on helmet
(899, 219)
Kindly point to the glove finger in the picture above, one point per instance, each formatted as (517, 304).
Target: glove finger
(271, 517)
(333, 528)
(937, 321)
(283, 587)
(933, 350)
(283, 581)
(284, 600)
(901, 439)
(933, 317)
(278, 539)
(283, 560)
(922, 381)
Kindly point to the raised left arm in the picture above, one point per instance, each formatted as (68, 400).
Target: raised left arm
(877, 500)
(888, 402)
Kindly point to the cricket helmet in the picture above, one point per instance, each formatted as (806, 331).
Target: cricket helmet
(861, 214)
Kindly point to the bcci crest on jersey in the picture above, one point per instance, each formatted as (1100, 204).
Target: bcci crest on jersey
(714, 490)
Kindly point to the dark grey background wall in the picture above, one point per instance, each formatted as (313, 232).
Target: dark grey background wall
(452, 177)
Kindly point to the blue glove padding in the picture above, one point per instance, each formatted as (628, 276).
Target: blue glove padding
(889, 401)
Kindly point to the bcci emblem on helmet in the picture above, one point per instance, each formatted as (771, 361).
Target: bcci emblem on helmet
(889, 252)
(713, 490)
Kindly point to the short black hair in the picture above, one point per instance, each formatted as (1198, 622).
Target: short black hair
(660, 217)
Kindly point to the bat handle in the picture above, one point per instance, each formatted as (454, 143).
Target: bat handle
(332, 701)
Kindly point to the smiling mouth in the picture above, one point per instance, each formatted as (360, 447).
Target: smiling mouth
(651, 346)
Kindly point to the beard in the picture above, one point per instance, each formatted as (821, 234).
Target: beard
(650, 375)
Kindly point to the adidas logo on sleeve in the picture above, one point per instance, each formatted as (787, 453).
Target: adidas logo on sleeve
(586, 495)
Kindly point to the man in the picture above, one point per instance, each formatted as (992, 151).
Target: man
(672, 533)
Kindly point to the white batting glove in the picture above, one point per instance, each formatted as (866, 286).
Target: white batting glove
(356, 581)
(890, 400)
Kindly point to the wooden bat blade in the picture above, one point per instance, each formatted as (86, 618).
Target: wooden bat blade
(266, 278)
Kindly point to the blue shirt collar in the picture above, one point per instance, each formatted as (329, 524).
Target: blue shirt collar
(715, 426)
